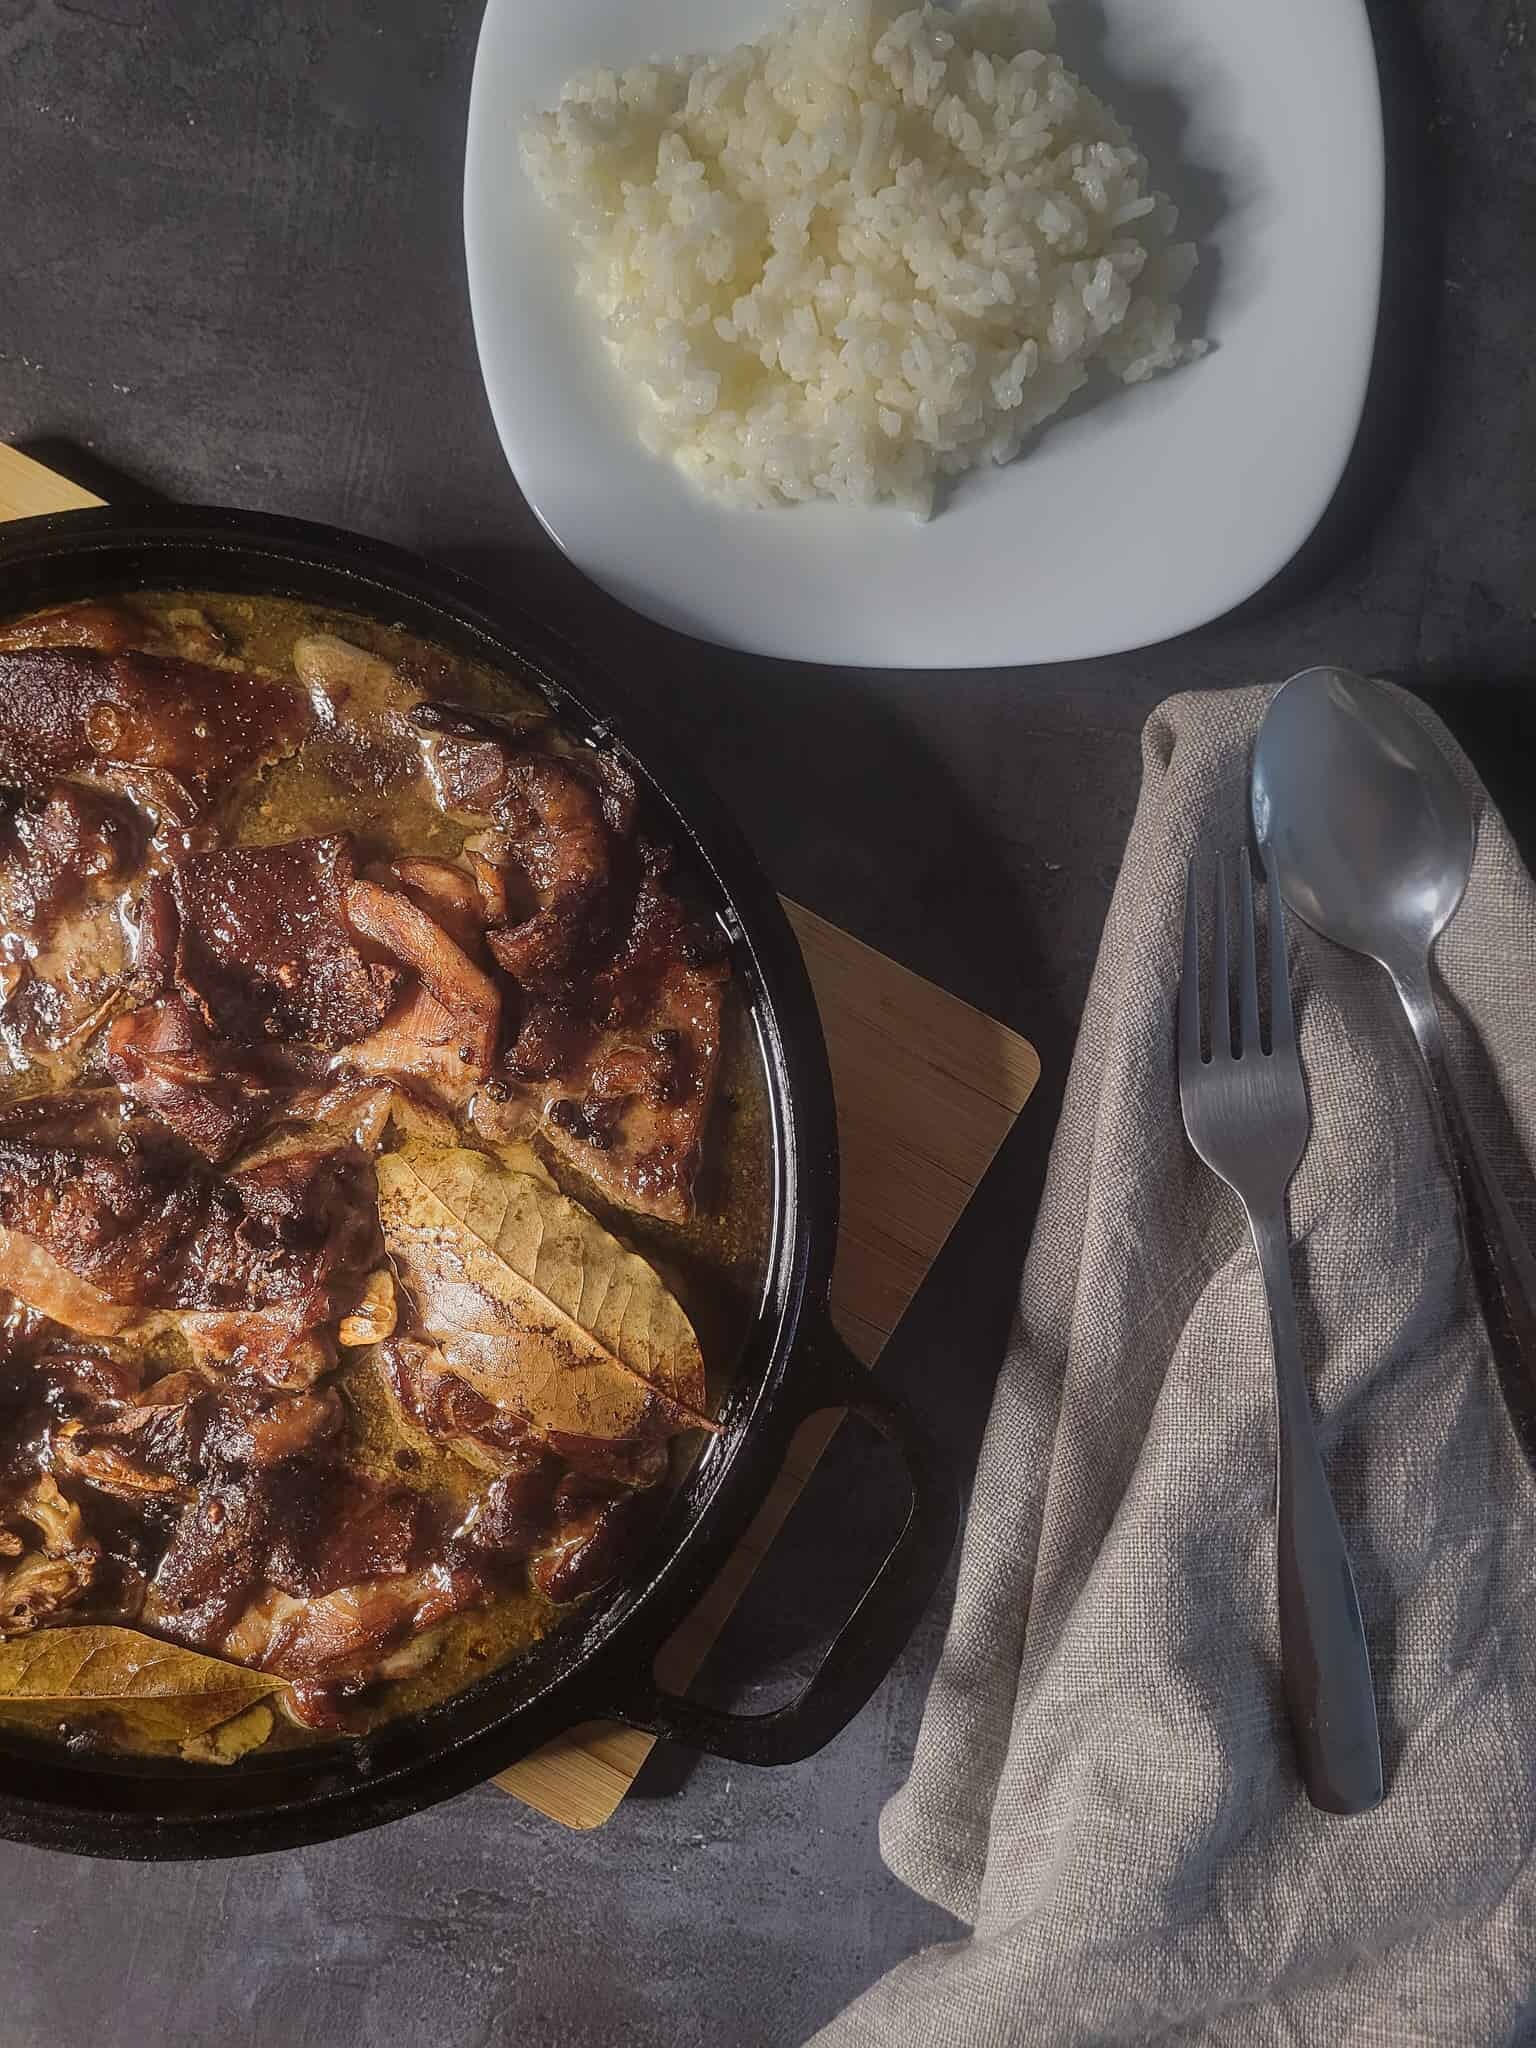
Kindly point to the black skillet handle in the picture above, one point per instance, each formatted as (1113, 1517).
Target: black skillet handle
(874, 1635)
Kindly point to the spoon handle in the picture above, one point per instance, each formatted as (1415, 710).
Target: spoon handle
(1325, 1668)
(1502, 1263)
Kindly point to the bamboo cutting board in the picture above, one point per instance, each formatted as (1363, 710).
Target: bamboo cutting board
(927, 1089)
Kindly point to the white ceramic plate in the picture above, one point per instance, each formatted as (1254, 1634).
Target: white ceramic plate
(1137, 517)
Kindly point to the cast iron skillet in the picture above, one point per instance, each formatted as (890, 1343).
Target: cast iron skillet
(600, 1665)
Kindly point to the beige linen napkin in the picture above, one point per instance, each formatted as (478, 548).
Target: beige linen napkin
(1104, 1785)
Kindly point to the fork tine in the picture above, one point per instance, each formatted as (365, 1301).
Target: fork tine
(1189, 979)
(1221, 987)
(1282, 1022)
(1247, 965)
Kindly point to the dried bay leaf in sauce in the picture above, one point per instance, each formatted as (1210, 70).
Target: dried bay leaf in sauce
(155, 1695)
(534, 1304)
(228, 1741)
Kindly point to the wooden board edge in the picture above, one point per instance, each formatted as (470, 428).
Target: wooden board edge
(581, 1778)
(1017, 1071)
(28, 489)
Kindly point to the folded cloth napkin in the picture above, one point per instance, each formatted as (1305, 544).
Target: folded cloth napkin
(1104, 1787)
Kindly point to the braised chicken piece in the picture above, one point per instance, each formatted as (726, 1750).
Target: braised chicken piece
(257, 1427)
(49, 1126)
(340, 672)
(149, 1453)
(119, 1207)
(336, 1611)
(154, 930)
(66, 851)
(278, 1346)
(305, 1526)
(444, 892)
(570, 1503)
(431, 1399)
(596, 1541)
(48, 1559)
(66, 708)
(623, 1065)
(254, 1496)
(309, 1568)
(618, 1041)
(187, 1424)
(511, 1519)
(109, 628)
(115, 627)
(346, 1528)
(421, 1041)
(552, 815)
(190, 633)
(56, 846)
(467, 753)
(95, 1547)
(365, 744)
(46, 1385)
(269, 948)
(335, 1648)
(55, 1001)
(474, 757)
(465, 1007)
(213, 1093)
(152, 1451)
(46, 1376)
(265, 952)
(211, 1564)
(555, 1037)
(631, 1111)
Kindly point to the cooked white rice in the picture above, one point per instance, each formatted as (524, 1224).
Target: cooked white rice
(865, 252)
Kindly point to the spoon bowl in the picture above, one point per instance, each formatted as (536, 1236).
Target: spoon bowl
(1370, 833)
(1370, 837)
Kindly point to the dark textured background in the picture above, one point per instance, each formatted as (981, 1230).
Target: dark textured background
(230, 268)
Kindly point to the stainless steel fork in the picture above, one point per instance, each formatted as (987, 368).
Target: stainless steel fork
(1246, 1113)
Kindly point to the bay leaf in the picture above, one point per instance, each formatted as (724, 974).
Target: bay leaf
(518, 1156)
(228, 1741)
(155, 1696)
(415, 1124)
(533, 1303)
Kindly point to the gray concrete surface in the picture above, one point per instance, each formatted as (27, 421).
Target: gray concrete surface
(230, 269)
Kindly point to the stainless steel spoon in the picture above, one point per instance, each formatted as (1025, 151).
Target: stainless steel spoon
(1371, 836)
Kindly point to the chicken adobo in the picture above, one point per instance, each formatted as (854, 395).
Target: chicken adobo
(365, 1063)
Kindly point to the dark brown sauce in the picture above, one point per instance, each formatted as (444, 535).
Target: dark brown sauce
(343, 780)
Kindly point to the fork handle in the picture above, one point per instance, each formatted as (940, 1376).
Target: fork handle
(1324, 1665)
